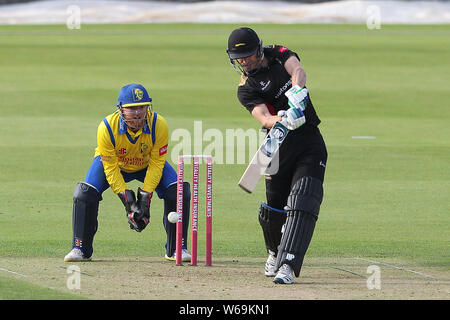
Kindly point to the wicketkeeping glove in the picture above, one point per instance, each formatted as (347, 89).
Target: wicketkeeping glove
(144, 199)
(134, 214)
(297, 97)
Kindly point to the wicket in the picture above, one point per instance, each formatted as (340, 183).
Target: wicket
(208, 209)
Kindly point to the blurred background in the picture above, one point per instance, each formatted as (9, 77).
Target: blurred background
(303, 11)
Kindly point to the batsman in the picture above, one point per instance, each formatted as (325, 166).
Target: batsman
(131, 145)
(273, 89)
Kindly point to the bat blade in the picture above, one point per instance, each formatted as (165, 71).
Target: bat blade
(267, 155)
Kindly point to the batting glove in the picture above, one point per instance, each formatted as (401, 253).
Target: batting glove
(292, 118)
(297, 97)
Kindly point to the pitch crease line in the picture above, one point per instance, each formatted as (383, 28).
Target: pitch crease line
(396, 267)
(19, 274)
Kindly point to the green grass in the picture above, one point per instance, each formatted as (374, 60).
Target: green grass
(385, 197)
(14, 289)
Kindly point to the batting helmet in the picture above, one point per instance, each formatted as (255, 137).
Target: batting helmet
(243, 42)
(135, 105)
(133, 95)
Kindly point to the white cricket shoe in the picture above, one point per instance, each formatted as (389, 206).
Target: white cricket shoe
(284, 275)
(269, 269)
(185, 256)
(75, 255)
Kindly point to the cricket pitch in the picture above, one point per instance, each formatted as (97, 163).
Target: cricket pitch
(153, 278)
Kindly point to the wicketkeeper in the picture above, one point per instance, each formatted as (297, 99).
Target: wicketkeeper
(131, 145)
(272, 88)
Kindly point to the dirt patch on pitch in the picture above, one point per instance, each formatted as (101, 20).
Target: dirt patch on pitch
(231, 279)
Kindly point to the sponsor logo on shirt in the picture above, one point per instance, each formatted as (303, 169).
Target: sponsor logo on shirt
(124, 162)
(104, 158)
(163, 150)
(283, 88)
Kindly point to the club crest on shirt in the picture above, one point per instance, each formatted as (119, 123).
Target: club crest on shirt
(264, 85)
(144, 147)
(122, 150)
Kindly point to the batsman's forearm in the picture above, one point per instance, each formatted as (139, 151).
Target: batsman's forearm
(299, 77)
(296, 71)
(262, 114)
(269, 122)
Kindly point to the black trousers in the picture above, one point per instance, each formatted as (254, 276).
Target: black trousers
(303, 153)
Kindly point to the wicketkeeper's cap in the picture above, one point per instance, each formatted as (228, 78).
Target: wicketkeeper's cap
(133, 95)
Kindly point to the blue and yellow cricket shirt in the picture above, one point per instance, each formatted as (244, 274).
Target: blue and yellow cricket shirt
(122, 149)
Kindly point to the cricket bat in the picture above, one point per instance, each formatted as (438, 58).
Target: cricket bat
(266, 154)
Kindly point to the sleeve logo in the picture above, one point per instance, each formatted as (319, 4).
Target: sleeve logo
(163, 150)
(283, 49)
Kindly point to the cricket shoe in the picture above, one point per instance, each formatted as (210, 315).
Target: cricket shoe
(284, 275)
(269, 269)
(185, 256)
(75, 255)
